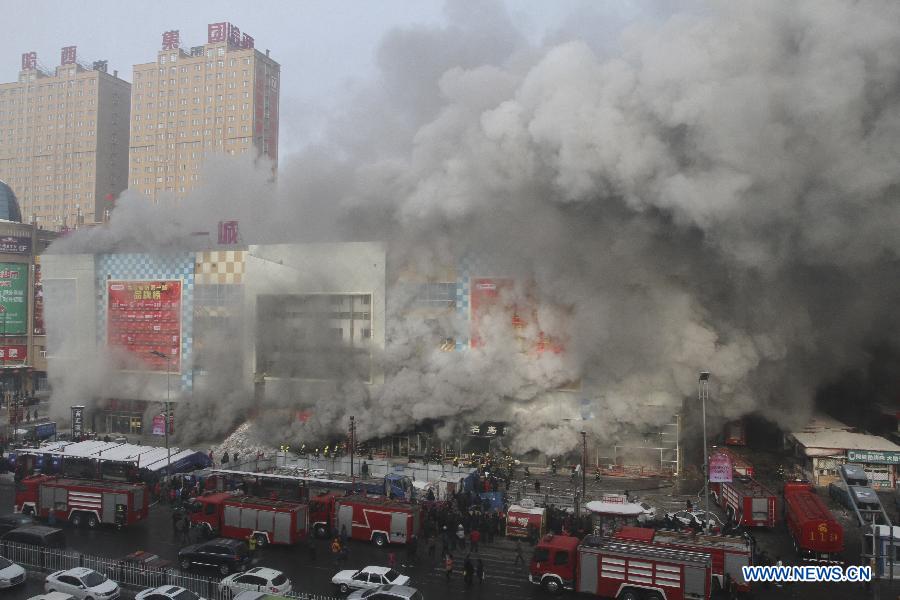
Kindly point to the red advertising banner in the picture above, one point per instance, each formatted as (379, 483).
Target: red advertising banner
(145, 317)
(13, 354)
(720, 468)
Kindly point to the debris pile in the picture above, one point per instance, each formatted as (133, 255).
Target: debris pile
(243, 442)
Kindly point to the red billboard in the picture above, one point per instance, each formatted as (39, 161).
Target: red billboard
(13, 354)
(145, 317)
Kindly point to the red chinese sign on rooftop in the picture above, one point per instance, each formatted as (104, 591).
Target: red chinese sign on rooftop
(227, 32)
(67, 55)
(29, 61)
(171, 40)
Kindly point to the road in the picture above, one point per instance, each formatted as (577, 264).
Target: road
(504, 580)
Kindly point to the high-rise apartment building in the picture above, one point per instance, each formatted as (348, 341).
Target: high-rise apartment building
(193, 103)
(63, 139)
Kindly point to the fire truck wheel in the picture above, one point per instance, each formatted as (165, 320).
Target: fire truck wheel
(185, 564)
(653, 596)
(224, 570)
(628, 595)
(93, 522)
(380, 540)
(552, 585)
(76, 520)
(28, 511)
(261, 540)
(321, 531)
(344, 588)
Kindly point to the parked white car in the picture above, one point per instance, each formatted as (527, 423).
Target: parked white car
(52, 596)
(695, 518)
(368, 577)
(167, 592)
(649, 514)
(83, 584)
(11, 574)
(258, 579)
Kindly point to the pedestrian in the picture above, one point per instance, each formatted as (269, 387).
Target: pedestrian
(225, 458)
(392, 559)
(474, 538)
(479, 570)
(311, 550)
(251, 542)
(343, 534)
(468, 571)
(779, 564)
(344, 554)
(537, 486)
(234, 457)
(519, 557)
(461, 536)
(176, 524)
(448, 565)
(364, 471)
(336, 550)
(212, 461)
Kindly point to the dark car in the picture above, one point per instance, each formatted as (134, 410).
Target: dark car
(36, 535)
(14, 521)
(223, 554)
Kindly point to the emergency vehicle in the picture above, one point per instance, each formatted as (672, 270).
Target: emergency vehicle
(378, 519)
(82, 502)
(625, 570)
(729, 553)
(266, 520)
(815, 531)
(747, 502)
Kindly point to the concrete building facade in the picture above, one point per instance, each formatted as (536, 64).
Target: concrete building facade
(193, 103)
(63, 140)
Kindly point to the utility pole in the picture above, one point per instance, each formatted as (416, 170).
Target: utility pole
(352, 445)
(704, 394)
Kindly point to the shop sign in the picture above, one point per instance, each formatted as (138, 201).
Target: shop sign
(720, 468)
(874, 457)
(77, 422)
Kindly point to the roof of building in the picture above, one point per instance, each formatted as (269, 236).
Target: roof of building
(9, 205)
(844, 440)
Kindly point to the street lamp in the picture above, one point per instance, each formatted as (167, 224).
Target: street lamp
(166, 417)
(352, 446)
(704, 394)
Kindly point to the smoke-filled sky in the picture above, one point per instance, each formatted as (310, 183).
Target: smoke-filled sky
(710, 188)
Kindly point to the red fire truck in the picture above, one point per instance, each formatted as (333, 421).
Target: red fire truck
(747, 502)
(619, 569)
(83, 501)
(739, 465)
(321, 514)
(735, 433)
(379, 519)
(240, 517)
(815, 531)
(728, 552)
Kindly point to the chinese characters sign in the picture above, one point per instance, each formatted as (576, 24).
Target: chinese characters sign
(487, 429)
(77, 422)
(145, 317)
(29, 61)
(720, 468)
(13, 354)
(13, 296)
(15, 244)
(67, 55)
(228, 232)
(874, 457)
(222, 32)
(38, 301)
(171, 40)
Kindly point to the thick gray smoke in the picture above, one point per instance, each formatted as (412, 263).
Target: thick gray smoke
(719, 192)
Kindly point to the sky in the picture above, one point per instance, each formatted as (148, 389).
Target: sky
(323, 46)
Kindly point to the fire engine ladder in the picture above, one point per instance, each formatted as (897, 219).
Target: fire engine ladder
(866, 516)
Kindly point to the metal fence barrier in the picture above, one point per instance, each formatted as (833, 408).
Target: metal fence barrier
(124, 573)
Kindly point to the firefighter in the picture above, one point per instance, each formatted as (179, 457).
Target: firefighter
(251, 541)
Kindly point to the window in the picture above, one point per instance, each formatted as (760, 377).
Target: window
(561, 558)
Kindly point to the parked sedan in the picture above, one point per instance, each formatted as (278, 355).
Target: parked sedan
(83, 583)
(11, 574)
(52, 596)
(695, 518)
(14, 521)
(167, 592)
(387, 592)
(258, 579)
(368, 577)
